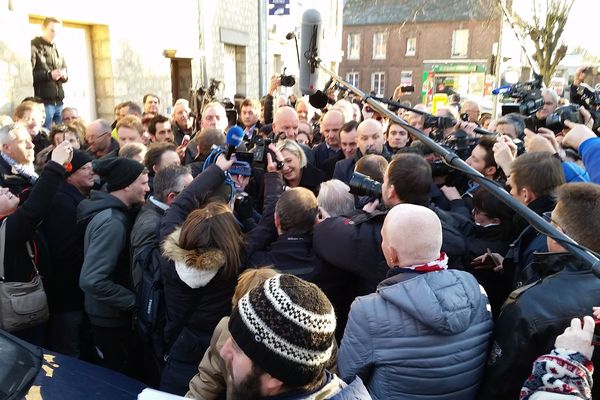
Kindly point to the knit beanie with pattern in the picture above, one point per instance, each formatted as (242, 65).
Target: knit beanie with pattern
(286, 327)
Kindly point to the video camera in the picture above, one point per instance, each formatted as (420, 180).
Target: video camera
(590, 99)
(440, 123)
(528, 96)
(261, 149)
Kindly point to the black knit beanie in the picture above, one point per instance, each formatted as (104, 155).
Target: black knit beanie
(286, 327)
(80, 158)
(118, 173)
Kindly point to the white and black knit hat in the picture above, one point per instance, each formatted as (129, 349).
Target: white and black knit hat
(286, 327)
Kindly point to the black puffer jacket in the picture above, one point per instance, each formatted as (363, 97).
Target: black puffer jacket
(531, 319)
(44, 58)
(196, 294)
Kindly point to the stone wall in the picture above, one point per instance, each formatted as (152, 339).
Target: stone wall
(128, 44)
(16, 81)
(233, 15)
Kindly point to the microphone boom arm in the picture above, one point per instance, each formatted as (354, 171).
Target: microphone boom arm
(454, 161)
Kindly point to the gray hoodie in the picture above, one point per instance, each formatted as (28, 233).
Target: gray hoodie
(105, 275)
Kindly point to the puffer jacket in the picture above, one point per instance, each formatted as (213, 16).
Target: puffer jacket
(196, 296)
(45, 58)
(420, 336)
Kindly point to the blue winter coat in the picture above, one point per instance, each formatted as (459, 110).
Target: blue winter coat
(420, 336)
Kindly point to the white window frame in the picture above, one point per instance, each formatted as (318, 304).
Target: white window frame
(353, 46)
(383, 41)
(460, 48)
(380, 90)
(411, 50)
(353, 78)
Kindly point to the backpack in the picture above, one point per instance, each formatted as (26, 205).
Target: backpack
(151, 316)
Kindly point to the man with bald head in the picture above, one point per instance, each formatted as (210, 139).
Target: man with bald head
(285, 123)
(285, 126)
(331, 125)
(370, 140)
(100, 142)
(427, 328)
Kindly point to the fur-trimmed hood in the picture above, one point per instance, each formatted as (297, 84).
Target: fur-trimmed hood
(196, 268)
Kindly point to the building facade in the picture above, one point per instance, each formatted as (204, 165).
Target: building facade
(120, 50)
(423, 46)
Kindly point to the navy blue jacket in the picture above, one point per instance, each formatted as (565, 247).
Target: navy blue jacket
(323, 153)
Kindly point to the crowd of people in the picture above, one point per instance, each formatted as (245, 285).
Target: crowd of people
(269, 273)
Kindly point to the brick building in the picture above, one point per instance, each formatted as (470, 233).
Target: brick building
(424, 43)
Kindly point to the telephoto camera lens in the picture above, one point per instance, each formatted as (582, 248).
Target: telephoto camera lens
(363, 185)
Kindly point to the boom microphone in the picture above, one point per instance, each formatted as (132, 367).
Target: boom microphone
(234, 138)
(310, 38)
(319, 98)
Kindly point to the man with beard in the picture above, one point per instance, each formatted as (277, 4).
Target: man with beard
(282, 341)
(370, 141)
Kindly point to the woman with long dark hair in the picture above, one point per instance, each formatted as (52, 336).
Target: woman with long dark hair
(202, 254)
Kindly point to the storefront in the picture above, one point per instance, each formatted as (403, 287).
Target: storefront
(467, 78)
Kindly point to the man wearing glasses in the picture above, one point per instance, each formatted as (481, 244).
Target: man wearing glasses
(99, 140)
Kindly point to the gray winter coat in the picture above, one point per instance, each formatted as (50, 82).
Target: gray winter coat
(105, 275)
(420, 336)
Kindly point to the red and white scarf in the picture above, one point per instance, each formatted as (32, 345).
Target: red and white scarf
(440, 264)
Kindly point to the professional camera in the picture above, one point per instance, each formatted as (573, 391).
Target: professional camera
(287, 80)
(441, 123)
(461, 144)
(556, 121)
(590, 99)
(261, 149)
(528, 96)
(589, 96)
(363, 185)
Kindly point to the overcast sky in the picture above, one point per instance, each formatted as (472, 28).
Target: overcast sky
(581, 26)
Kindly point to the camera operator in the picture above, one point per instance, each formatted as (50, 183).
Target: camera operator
(470, 108)
(214, 116)
(580, 75)
(202, 254)
(550, 104)
(512, 125)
